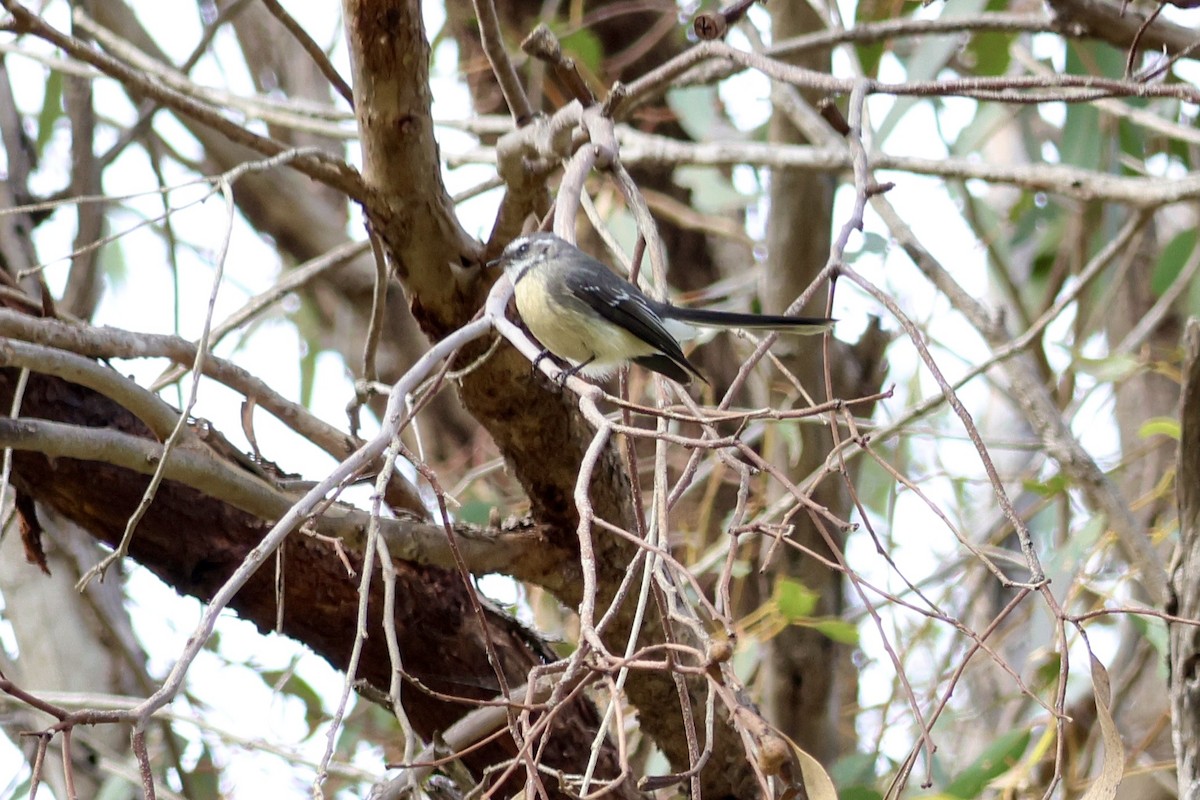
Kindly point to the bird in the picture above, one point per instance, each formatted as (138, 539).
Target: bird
(596, 321)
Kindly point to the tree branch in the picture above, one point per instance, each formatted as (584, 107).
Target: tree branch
(639, 148)
(326, 169)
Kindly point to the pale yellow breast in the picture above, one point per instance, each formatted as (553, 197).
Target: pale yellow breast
(569, 331)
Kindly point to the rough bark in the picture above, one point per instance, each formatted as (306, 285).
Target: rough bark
(1142, 711)
(539, 431)
(1184, 677)
(194, 543)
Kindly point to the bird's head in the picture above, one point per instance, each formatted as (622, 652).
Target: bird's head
(528, 251)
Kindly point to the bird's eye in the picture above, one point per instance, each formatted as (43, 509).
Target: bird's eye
(523, 250)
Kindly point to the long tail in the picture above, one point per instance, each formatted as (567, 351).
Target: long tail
(729, 319)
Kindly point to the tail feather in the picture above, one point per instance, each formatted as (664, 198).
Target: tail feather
(728, 319)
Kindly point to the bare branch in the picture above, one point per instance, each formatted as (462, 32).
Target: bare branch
(327, 169)
(313, 49)
(506, 75)
(640, 148)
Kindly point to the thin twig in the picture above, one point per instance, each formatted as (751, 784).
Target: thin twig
(292, 280)
(313, 49)
(178, 433)
(325, 168)
(506, 75)
(393, 421)
(370, 554)
(1039, 408)
(1036, 574)
(638, 148)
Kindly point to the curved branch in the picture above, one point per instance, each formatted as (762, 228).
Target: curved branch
(1007, 89)
(194, 542)
(106, 342)
(159, 417)
(502, 67)
(313, 50)
(326, 169)
(1075, 19)
(643, 148)
(485, 550)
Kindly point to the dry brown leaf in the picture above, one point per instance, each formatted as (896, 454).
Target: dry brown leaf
(1111, 772)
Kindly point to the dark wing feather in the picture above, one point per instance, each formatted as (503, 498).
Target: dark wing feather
(624, 305)
(665, 366)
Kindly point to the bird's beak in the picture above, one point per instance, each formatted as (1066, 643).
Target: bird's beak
(494, 263)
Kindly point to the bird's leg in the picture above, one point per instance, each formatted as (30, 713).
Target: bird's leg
(564, 372)
(572, 370)
(544, 354)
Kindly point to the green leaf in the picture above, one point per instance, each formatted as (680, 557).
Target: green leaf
(1133, 144)
(476, 512)
(1082, 145)
(1046, 675)
(1084, 141)
(866, 11)
(794, 600)
(1109, 368)
(52, 109)
(869, 55)
(1048, 488)
(1174, 256)
(999, 757)
(856, 768)
(1160, 426)
(989, 52)
(1154, 631)
(584, 46)
(838, 630)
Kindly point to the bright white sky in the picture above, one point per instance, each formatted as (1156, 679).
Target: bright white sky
(135, 301)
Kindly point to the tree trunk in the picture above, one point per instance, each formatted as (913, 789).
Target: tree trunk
(1184, 680)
